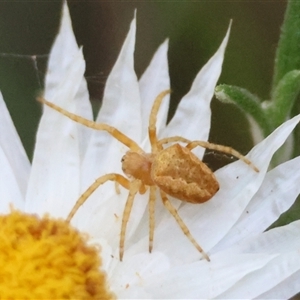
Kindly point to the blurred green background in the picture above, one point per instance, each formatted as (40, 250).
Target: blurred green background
(195, 30)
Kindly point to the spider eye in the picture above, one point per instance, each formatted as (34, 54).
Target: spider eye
(122, 159)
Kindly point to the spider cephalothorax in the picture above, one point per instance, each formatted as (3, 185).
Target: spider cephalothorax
(138, 165)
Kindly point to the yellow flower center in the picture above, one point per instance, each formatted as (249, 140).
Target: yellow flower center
(43, 258)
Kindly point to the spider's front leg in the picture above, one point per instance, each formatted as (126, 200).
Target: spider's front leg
(173, 139)
(121, 137)
(134, 188)
(120, 179)
(152, 121)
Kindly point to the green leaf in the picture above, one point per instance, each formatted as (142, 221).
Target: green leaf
(246, 101)
(288, 51)
(284, 97)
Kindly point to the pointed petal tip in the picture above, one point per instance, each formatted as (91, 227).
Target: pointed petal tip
(64, 4)
(133, 22)
(65, 13)
(165, 44)
(127, 50)
(226, 38)
(132, 29)
(163, 48)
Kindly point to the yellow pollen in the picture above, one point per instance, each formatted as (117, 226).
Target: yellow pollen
(44, 258)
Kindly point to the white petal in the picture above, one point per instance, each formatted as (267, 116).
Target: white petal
(10, 192)
(253, 285)
(205, 280)
(211, 221)
(54, 183)
(155, 80)
(284, 241)
(192, 117)
(84, 109)
(106, 252)
(277, 193)
(14, 152)
(121, 108)
(132, 292)
(109, 211)
(121, 105)
(62, 55)
(239, 183)
(255, 130)
(285, 289)
(134, 271)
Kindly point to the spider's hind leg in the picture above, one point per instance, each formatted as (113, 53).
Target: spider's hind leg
(152, 195)
(224, 149)
(180, 222)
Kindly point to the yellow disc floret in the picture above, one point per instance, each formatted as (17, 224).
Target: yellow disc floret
(43, 258)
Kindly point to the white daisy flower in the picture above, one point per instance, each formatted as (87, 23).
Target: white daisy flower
(245, 261)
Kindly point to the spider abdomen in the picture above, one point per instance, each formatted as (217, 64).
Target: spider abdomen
(181, 174)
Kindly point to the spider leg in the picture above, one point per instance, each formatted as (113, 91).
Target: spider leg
(121, 137)
(143, 188)
(151, 216)
(153, 118)
(120, 179)
(224, 149)
(133, 189)
(172, 140)
(180, 222)
(117, 187)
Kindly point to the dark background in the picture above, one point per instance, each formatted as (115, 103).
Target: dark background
(195, 30)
